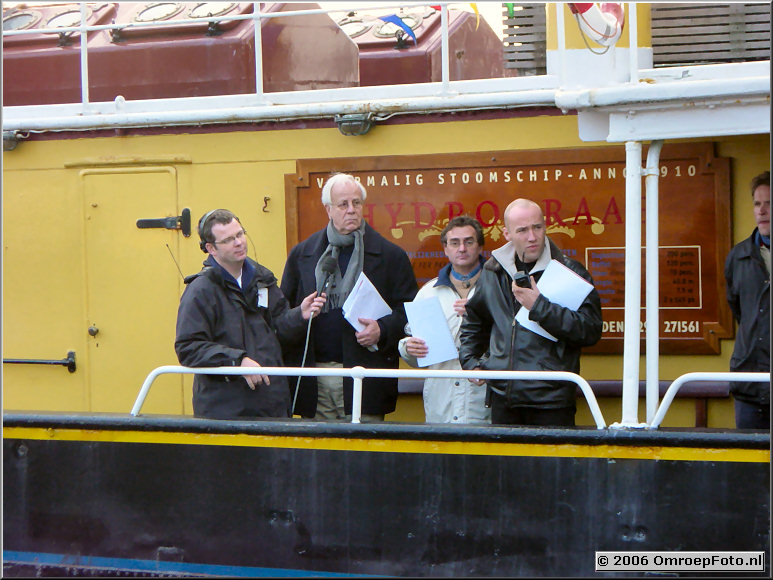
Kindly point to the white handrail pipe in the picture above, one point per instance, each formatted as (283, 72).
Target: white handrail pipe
(652, 279)
(326, 109)
(502, 93)
(656, 94)
(693, 377)
(632, 315)
(360, 372)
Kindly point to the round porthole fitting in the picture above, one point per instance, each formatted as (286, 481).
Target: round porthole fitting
(67, 19)
(388, 29)
(354, 27)
(158, 11)
(21, 20)
(210, 9)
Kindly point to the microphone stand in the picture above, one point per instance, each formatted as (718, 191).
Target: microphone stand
(303, 363)
(306, 347)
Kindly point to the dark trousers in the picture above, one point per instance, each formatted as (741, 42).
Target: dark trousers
(503, 415)
(751, 416)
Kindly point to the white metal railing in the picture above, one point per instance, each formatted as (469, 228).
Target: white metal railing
(445, 95)
(694, 377)
(712, 85)
(358, 373)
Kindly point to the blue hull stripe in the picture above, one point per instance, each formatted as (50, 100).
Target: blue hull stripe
(128, 564)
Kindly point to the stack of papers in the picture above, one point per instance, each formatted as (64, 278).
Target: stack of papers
(428, 322)
(364, 301)
(561, 286)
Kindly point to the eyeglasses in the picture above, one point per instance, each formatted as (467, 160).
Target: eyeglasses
(469, 242)
(231, 239)
(344, 205)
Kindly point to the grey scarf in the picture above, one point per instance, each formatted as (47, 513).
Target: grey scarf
(340, 286)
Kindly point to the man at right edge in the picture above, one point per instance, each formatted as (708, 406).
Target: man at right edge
(747, 277)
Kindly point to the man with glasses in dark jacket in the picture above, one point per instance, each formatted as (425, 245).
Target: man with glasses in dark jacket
(232, 314)
(492, 338)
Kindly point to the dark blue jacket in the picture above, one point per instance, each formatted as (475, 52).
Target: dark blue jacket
(747, 284)
(218, 324)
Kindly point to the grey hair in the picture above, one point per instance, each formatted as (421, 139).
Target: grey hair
(334, 180)
(762, 179)
(461, 221)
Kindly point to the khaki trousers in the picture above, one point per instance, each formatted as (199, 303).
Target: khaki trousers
(330, 398)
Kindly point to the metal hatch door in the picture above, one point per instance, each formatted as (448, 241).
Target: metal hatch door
(132, 287)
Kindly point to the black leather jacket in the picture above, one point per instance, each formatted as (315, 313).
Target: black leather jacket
(492, 339)
(748, 294)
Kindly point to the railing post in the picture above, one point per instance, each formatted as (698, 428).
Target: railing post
(632, 316)
(652, 279)
(633, 37)
(357, 375)
(258, 24)
(84, 38)
(444, 64)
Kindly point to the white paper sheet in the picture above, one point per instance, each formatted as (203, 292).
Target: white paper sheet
(561, 286)
(428, 322)
(364, 301)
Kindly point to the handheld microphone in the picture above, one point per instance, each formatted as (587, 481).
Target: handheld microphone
(522, 279)
(328, 267)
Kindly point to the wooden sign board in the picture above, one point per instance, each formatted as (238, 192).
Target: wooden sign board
(582, 193)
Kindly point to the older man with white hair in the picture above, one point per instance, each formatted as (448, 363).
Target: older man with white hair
(351, 246)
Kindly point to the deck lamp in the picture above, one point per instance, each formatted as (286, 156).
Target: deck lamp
(10, 140)
(354, 124)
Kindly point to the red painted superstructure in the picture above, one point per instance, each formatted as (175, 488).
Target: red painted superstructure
(192, 59)
(212, 57)
(476, 51)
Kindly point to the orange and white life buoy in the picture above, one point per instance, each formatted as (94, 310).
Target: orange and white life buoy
(602, 22)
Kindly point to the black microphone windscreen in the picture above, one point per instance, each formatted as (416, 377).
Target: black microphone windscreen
(328, 265)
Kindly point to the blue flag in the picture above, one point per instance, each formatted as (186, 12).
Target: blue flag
(395, 19)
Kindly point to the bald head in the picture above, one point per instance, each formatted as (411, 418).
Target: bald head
(521, 204)
(525, 228)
